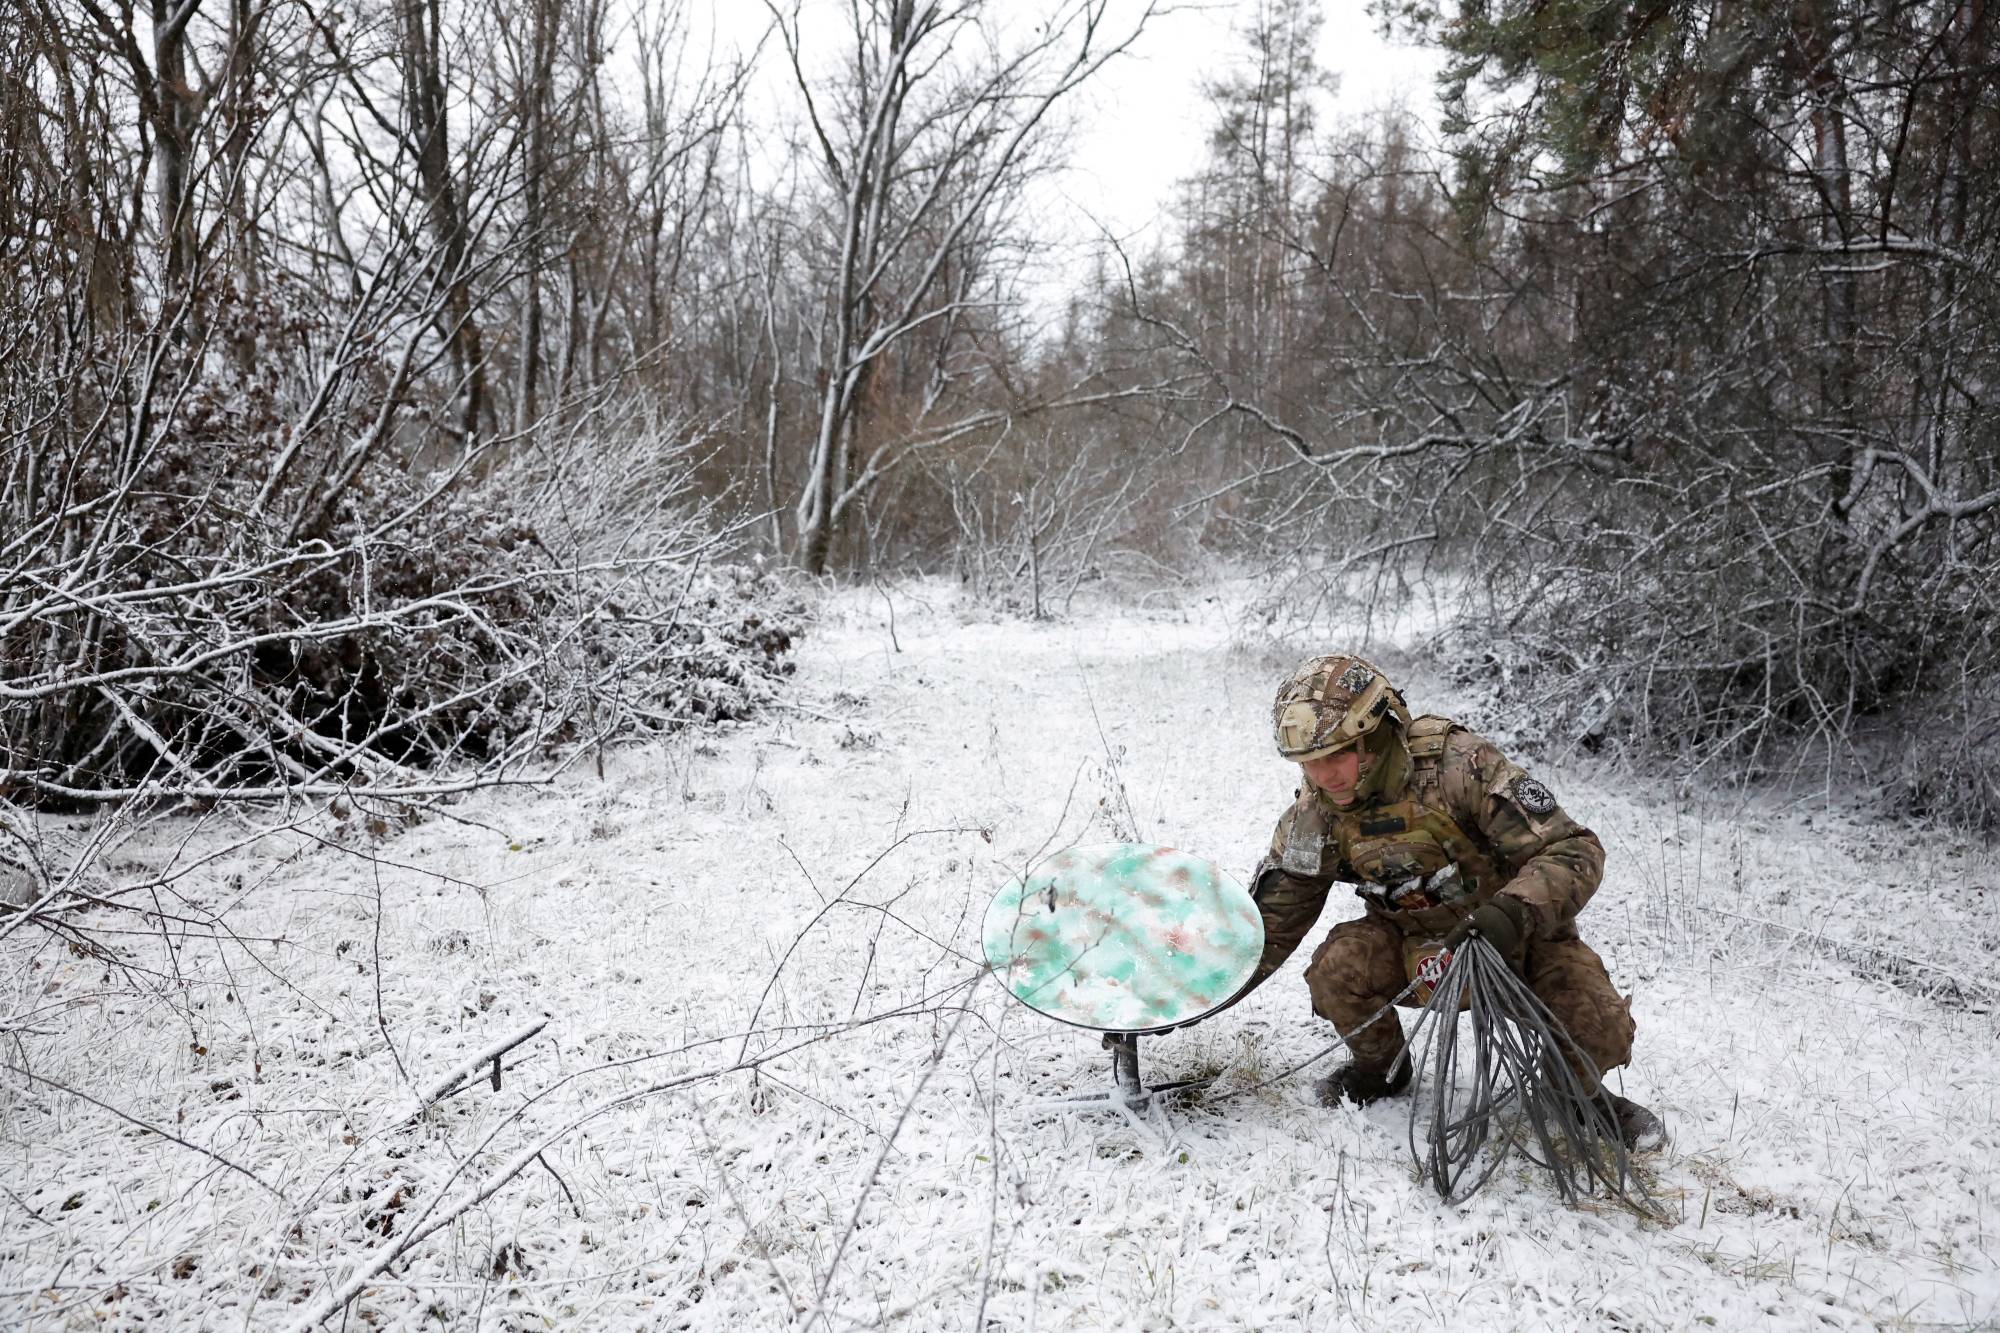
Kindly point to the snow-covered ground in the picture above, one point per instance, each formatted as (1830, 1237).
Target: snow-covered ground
(774, 1089)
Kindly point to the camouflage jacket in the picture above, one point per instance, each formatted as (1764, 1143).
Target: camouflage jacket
(1464, 825)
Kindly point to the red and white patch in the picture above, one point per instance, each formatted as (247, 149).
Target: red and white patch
(1432, 969)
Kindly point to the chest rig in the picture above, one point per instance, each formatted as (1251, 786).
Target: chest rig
(1418, 865)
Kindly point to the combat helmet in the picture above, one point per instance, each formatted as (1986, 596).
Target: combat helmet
(1329, 703)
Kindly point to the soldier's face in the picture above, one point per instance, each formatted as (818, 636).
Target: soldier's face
(1339, 773)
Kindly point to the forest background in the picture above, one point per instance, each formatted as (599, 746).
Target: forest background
(401, 398)
(396, 394)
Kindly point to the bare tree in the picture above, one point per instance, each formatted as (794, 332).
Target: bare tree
(921, 139)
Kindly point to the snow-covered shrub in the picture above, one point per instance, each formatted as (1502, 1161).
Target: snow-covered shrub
(1024, 535)
(193, 623)
(1738, 630)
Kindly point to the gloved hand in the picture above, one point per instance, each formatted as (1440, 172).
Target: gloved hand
(1502, 922)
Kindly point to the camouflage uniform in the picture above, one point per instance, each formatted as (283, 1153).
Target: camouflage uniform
(1450, 824)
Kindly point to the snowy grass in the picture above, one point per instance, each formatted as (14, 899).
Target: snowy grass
(775, 1091)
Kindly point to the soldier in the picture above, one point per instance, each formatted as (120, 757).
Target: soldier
(1443, 838)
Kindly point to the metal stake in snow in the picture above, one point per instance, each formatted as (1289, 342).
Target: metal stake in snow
(1127, 939)
(467, 1068)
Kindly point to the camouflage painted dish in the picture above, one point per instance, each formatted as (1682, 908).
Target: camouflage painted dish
(1124, 938)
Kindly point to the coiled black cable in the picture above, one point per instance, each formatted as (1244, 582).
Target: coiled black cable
(1511, 1081)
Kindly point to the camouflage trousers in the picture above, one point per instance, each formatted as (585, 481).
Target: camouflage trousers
(1358, 968)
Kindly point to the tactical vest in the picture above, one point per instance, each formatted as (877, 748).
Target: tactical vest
(1420, 867)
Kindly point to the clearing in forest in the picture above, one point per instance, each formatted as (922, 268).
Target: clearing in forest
(770, 1086)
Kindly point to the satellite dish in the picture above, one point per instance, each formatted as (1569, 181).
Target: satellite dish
(1124, 938)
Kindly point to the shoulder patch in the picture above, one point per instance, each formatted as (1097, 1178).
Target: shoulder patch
(1532, 796)
(1303, 849)
(1302, 840)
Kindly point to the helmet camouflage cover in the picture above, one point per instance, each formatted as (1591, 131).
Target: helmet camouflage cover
(1328, 703)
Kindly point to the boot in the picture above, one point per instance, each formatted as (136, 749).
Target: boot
(1362, 1084)
(1638, 1127)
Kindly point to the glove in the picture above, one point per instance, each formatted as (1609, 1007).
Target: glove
(1502, 922)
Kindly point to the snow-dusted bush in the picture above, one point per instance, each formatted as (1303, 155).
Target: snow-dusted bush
(444, 651)
(225, 614)
(249, 550)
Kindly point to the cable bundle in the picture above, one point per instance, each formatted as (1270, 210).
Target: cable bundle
(1511, 1085)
